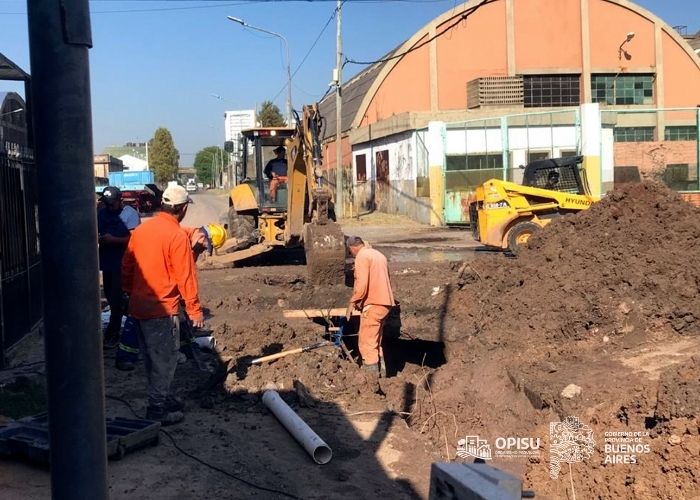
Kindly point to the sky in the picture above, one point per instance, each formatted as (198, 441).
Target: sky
(180, 64)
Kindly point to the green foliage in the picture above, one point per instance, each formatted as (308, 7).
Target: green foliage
(270, 116)
(163, 158)
(206, 160)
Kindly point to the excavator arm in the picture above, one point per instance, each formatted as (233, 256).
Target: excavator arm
(309, 203)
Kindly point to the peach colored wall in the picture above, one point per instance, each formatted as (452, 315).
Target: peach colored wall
(609, 25)
(547, 34)
(681, 77)
(472, 49)
(406, 87)
(329, 153)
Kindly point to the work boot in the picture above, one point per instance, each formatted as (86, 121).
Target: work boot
(162, 415)
(382, 368)
(174, 404)
(373, 368)
(125, 366)
(110, 341)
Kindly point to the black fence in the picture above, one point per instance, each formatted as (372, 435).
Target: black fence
(20, 257)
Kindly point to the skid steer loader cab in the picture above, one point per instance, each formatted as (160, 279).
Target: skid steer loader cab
(504, 214)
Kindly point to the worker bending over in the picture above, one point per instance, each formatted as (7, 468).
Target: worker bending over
(372, 295)
(158, 271)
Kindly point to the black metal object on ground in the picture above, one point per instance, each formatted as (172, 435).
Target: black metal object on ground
(28, 439)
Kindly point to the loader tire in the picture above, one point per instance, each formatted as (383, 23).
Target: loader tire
(519, 235)
(242, 228)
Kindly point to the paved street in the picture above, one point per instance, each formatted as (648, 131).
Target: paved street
(207, 208)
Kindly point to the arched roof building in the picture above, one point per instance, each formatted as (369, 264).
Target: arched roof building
(498, 58)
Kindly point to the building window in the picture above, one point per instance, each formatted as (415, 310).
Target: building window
(543, 91)
(685, 133)
(382, 165)
(465, 172)
(537, 155)
(633, 134)
(361, 167)
(623, 89)
(474, 162)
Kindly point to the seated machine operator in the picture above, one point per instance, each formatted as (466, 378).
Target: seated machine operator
(276, 171)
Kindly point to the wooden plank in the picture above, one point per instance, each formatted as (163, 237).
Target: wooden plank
(226, 259)
(316, 313)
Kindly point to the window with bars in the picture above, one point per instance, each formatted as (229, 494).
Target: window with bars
(541, 91)
(633, 134)
(623, 89)
(681, 133)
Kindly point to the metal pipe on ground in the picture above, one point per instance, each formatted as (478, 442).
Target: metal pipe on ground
(59, 39)
(300, 430)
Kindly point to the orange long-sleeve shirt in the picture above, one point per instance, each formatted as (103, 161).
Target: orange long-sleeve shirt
(372, 284)
(158, 269)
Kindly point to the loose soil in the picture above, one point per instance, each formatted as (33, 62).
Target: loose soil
(607, 300)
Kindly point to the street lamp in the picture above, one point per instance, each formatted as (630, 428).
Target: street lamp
(621, 50)
(289, 71)
(12, 112)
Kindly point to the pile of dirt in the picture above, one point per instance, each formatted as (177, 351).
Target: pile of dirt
(627, 264)
(587, 294)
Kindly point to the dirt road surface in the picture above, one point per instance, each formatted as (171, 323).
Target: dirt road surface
(484, 345)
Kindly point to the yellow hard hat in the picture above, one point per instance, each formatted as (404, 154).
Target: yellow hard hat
(217, 235)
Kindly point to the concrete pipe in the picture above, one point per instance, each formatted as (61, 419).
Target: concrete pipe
(305, 436)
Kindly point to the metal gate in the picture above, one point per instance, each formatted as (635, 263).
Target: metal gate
(20, 258)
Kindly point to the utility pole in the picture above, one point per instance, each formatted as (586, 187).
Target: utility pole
(59, 39)
(339, 208)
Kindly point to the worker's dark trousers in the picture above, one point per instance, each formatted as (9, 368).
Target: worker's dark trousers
(112, 285)
(160, 339)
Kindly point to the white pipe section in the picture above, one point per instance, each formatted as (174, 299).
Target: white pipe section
(305, 436)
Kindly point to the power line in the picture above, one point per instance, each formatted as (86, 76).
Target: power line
(221, 4)
(464, 16)
(313, 45)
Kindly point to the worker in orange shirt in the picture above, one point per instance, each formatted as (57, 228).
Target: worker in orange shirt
(372, 295)
(158, 271)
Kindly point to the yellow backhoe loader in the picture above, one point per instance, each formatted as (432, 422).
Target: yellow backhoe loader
(504, 214)
(301, 213)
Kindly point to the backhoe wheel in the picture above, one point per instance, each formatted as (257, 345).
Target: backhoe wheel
(520, 234)
(242, 228)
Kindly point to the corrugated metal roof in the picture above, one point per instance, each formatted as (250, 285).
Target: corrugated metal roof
(10, 71)
(354, 91)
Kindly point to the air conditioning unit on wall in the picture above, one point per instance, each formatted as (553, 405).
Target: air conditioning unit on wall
(495, 91)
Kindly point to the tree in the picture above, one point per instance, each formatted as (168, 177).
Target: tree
(270, 116)
(206, 159)
(162, 156)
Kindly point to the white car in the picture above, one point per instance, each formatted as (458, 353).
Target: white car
(191, 187)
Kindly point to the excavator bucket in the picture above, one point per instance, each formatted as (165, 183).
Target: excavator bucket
(324, 245)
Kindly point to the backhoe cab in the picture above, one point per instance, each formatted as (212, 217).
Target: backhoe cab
(504, 214)
(301, 215)
(252, 214)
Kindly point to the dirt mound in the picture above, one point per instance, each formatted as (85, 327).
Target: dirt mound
(627, 264)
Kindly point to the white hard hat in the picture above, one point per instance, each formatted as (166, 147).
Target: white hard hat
(175, 195)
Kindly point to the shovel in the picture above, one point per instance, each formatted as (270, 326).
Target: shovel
(282, 354)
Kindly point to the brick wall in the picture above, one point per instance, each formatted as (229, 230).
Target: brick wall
(692, 198)
(652, 157)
